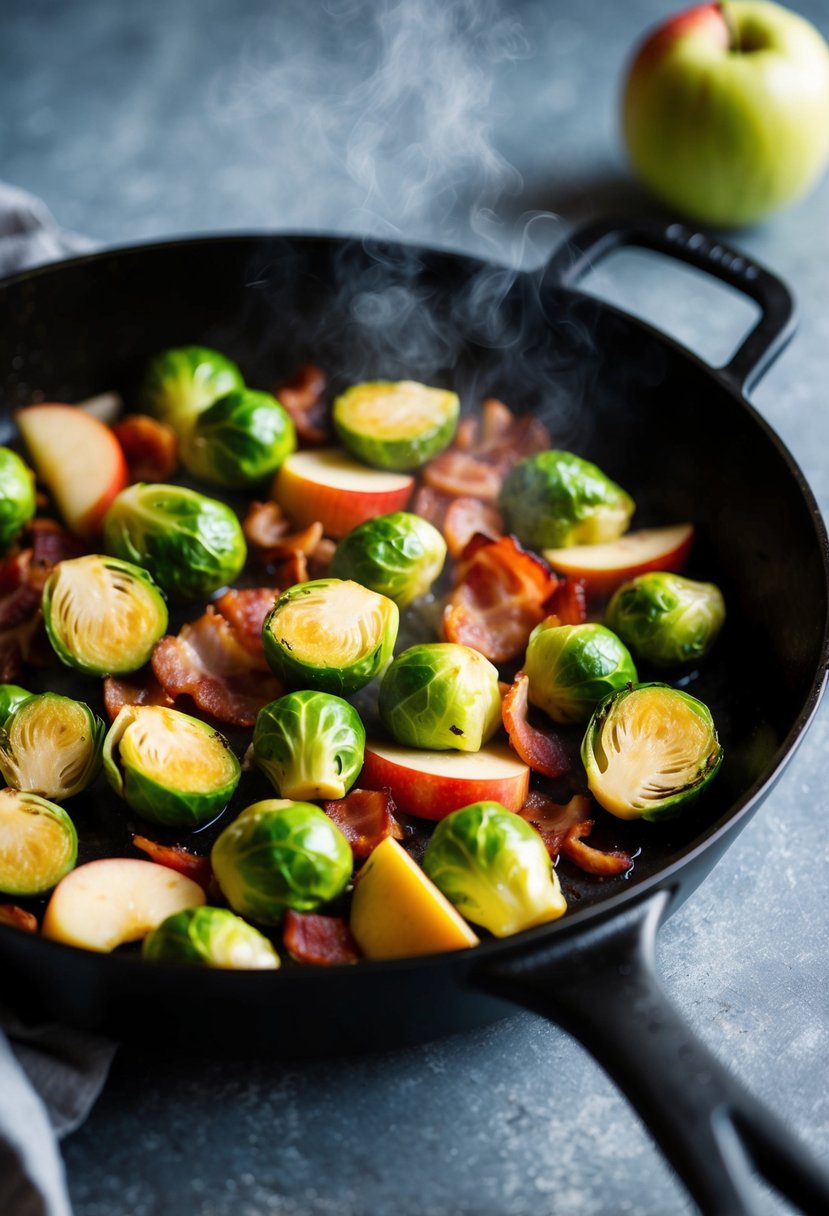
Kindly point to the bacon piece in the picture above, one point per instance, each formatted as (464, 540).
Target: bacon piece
(484, 451)
(467, 517)
(23, 575)
(431, 504)
(541, 749)
(208, 663)
(150, 447)
(591, 860)
(499, 599)
(50, 543)
(461, 474)
(139, 688)
(322, 940)
(176, 857)
(552, 820)
(265, 524)
(365, 817)
(320, 559)
(245, 611)
(18, 918)
(568, 602)
(304, 398)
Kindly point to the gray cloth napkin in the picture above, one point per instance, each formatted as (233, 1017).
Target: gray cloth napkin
(50, 1075)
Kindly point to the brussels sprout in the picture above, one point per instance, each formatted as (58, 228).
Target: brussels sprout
(190, 544)
(171, 769)
(102, 615)
(11, 695)
(180, 383)
(666, 619)
(51, 745)
(281, 854)
(395, 425)
(570, 668)
(441, 695)
(38, 843)
(554, 499)
(330, 634)
(210, 937)
(239, 440)
(494, 867)
(649, 750)
(309, 745)
(398, 555)
(17, 496)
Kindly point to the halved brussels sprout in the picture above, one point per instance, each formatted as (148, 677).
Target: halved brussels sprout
(666, 619)
(170, 768)
(570, 668)
(441, 695)
(17, 496)
(182, 382)
(38, 843)
(398, 555)
(309, 745)
(494, 867)
(51, 745)
(649, 750)
(239, 440)
(190, 544)
(103, 615)
(210, 937)
(330, 634)
(11, 695)
(281, 854)
(555, 498)
(395, 424)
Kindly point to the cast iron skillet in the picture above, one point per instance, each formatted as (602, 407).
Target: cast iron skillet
(681, 436)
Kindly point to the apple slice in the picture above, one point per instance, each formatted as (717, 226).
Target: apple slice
(431, 784)
(104, 903)
(329, 486)
(398, 912)
(78, 459)
(605, 567)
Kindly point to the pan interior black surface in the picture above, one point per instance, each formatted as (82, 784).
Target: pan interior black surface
(658, 421)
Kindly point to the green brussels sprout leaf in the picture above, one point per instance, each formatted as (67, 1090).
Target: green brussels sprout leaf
(666, 619)
(441, 695)
(11, 695)
(398, 555)
(239, 440)
(210, 937)
(570, 668)
(17, 496)
(309, 745)
(180, 383)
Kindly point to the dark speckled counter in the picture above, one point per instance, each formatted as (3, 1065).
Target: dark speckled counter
(141, 120)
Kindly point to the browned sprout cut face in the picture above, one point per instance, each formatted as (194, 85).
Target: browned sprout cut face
(51, 745)
(38, 843)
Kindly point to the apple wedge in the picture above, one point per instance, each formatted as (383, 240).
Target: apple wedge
(605, 567)
(432, 784)
(103, 904)
(79, 461)
(330, 486)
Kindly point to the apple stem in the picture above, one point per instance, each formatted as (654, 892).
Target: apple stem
(731, 26)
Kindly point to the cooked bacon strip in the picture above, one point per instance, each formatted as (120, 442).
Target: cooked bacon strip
(462, 474)
(208, 663)
(139, 688)
(431, 504)
(176, 857)
(467, 517)
(541, 749)
(304, 398)
(18, 918)
(150, 447)
(498, 600)
(264, 525)
(593, 861)
(245, 611)
(23, 575)
(553, 820)
(484, 451)
(320, 559)
(568, 602)
(50, 543)
(365, 817)
(322, 940)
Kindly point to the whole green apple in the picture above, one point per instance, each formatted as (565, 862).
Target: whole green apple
(726, 110)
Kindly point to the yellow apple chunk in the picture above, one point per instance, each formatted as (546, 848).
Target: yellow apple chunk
(398, 912)
(103, 904)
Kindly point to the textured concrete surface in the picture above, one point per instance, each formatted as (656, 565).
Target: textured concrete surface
(462, 124)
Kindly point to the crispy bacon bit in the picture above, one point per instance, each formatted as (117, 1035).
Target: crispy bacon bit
(265, 524)
(18, 918)
(568, 602)
(176, 857)
(462, 474)
(304, 398)
(245, 612)
(292, 571)
(208, 663)
(320, 559)
(484, 451)
(593, 861)
(541, 749)
(431, 504)
(150, 447)
(50, 543)
(498, 600)
(365, 817)
(140, 688)
(322, 940)
(23, 574)
(467, 517)
(552, 820)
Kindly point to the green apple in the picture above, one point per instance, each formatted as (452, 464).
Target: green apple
(726, 110)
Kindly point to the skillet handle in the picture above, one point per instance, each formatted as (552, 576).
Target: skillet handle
(602, 988)
(778, 319)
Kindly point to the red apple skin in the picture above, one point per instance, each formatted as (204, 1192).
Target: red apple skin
(434, 796)
(600, 584)
(88, 524)
(307, 500)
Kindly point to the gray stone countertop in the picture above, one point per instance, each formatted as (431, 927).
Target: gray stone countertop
(493, 128)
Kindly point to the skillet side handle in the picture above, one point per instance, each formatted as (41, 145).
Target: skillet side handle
(778, 320)
(602, 988)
